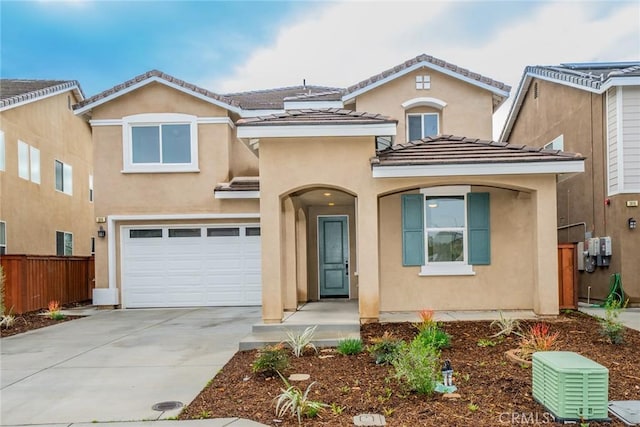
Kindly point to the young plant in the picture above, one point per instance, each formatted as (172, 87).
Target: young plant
(484, 342)
(473, 407)
(610, 326)
(271, 360)
(337, 409)
(416, 366)
(54, 311)
(506, 325)
(293, 400)
(299, 342)
(385, 348)
(538, 338)
(350, 346)
(426, 320)
(435, 337)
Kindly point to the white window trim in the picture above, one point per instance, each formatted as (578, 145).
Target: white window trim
(3, 160)
(422, 123)
(157, 119)
(424, 102)
(453, 268)
(34, 164)
(67, 178)
(23, 162)
(423, 82)
(4, 245)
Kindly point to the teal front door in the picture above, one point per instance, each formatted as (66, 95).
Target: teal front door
(333, 256)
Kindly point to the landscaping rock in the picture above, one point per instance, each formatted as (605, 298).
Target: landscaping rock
(369, 420)
(299, 377)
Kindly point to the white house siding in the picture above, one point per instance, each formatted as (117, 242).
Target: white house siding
(612, 139)
(631, 138)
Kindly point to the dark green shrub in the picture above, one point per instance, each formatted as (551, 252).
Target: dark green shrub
(271, 360)
(350, 346)
(385, 348)
(434, 337)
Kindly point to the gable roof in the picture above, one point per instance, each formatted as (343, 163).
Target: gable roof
(500, 90)
(159, 77)
(595, 77)
(16, 92)
(273, 99)
(457, 155)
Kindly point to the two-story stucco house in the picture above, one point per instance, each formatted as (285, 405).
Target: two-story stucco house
(593, 109)
(282, 196)
(46, 170)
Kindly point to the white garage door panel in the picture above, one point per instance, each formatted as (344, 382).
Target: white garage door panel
(210, 270)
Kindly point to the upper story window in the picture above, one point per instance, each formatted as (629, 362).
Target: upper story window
(64, 177)
(2, 151)
(422, 125)
(28, 162)
(64, 243)
(160, 143)
(423, 82)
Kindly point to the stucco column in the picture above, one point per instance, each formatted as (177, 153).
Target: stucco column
(301, 242)
(545, 292)
(270, 230)
(368, 274)
(289, 268)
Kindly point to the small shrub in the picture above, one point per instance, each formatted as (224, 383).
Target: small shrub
(473, 407)
(54, 311)
(299, 342)
(435, 337)
(385, 348)
(506, 325)
(610, 326)
(294, 401)
(538, 338)
(426, 320)
(350, 346)
(416, 366)
(271, 360)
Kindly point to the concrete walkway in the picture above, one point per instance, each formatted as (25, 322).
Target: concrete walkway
(630, 317)
(115, 365)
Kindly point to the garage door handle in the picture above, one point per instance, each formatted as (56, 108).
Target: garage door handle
(346, 267)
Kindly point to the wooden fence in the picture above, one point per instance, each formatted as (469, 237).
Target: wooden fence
(567, 276)
(32, 281)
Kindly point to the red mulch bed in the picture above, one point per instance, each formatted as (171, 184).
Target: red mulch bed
(36, 320)
(500, 390)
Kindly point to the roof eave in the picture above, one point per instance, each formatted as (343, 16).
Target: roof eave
(479, 169)
(315, 130)
(349, 96)
(54, 90)
(154, 79)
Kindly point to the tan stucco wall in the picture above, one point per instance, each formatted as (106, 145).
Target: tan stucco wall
(579, 116)
(120, 193)
(507, 283)
(34, 212)
(527, 268)
(468, 111)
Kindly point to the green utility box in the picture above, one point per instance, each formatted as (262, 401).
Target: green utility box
(570, 386)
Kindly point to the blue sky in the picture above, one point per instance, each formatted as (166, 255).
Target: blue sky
(243, 45)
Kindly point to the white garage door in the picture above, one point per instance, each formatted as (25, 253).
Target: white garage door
(191, 266)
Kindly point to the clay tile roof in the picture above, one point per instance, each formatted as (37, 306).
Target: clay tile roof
(273, 99)
(16, 91)
(331, 116)
(159, 74)
(589, 75)
(240, 183)
(431, 60)
(448, 149)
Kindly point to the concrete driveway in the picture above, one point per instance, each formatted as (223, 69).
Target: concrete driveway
(115, 365)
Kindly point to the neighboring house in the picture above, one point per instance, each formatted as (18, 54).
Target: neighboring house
(289, 195)
(46, 170)
(592, 109)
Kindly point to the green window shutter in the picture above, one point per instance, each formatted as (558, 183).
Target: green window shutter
(412, 229)
(479, 237)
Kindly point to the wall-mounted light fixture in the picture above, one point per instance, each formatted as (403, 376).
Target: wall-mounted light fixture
(101, 232)
(632, 223)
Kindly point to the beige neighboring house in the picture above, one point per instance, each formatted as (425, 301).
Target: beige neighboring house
(594, 109)
(306, 193)
(46, 170)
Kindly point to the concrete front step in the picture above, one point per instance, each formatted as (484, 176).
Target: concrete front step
(298, 328)
(321, 338)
